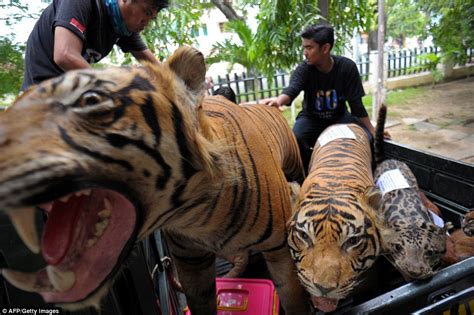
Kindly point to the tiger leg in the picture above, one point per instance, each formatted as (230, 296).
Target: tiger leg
(240, 262)
(196, 273)
(293, 297)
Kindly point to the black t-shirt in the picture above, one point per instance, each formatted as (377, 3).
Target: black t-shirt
(326, 94)
(88, 19)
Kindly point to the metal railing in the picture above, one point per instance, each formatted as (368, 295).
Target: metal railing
(410, 61)
(399, 63)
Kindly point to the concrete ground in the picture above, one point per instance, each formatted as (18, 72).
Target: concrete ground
(440, 121)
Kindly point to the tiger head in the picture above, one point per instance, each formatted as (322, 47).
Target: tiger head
(333, 239)
(415, 248)
(101, 152)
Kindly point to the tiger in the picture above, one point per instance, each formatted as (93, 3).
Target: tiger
(411, 240)
(111, 155)
(332, 233)
(467, 224)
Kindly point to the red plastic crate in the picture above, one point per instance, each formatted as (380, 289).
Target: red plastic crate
(236, 296)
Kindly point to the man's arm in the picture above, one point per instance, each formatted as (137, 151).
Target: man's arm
(368, 124)
(279, 101)
(145, 55)
(297, 82)
(67, 50)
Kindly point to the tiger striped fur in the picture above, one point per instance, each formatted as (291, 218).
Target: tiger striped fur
(332, 233)
(146, 150)
(411, 240)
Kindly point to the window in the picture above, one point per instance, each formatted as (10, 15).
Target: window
(194, 31)
(222, 27)
(199, 31)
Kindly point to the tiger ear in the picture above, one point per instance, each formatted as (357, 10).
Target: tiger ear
(373, 197)
(188, 63)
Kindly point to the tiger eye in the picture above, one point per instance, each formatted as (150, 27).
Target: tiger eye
(303, 235)
(398, 247)
(91, 98)
(352, 241)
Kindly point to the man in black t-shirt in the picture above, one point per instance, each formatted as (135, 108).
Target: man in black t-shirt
(328, 82)
(72, 34)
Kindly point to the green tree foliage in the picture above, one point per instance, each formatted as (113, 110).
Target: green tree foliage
(11, 67)
(17, 12)
(279, 26)
(276, 45)
(405, 19)
(348, 16)
(173, 27)
(451, 25)
(244, 53)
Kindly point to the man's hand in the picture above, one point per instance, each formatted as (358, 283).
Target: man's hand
(271, 102)
(386, 135)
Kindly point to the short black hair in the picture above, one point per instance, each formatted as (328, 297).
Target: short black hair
(159, 4)
(320, 34)
(227, 92)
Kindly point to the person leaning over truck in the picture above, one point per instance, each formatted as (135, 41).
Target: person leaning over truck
(72, 34)
(328, 82)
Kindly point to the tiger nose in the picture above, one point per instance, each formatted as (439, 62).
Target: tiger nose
(421, 273)
(324, 290)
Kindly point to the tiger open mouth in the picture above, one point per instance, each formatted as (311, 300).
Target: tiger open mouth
(85, 236)
(324, 304)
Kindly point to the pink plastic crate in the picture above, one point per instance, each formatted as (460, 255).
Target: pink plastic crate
(236, 296)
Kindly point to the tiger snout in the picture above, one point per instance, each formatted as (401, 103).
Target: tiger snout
(419, 270)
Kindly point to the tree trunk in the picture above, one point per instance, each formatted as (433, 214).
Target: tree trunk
(380, 94)
(226, 9)
(323, 6)
(372, 40)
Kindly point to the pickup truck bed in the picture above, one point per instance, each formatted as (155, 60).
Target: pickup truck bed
(449, 184)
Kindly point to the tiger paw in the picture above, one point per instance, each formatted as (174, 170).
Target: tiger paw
(467, 224)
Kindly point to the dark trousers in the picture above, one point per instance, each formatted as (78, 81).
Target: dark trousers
(307, 130)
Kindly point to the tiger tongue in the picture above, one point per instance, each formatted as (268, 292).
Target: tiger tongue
(60, 228)
(324, 304)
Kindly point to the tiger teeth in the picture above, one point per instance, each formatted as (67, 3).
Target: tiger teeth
(61, 280)
(65, 198)
(24, 222)
(56, 280)
(91, 242)
(21, 280)
(100, 227)
(107, 204)
(25, 281)
(86, 192)
(103, 214)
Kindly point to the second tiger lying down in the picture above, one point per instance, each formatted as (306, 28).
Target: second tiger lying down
(332, 234)
(113, 154)
(411, 240)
